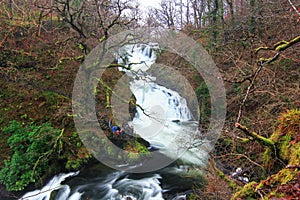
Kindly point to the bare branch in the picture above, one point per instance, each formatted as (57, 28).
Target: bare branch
(294, 7)
(278, 47)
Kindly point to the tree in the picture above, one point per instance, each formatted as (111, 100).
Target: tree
(96, 18)
(167, 13)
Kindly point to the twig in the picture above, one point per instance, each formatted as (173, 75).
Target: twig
(260, 194)
(264, 62)
(294, 7)
(278, 47)
(41, 192)
(244, 156)
(248, 92)
(247, 78)
(293, 167)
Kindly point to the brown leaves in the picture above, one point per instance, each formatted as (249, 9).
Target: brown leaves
(290, 190)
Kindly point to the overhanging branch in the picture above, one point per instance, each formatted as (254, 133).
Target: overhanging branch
(278, 48)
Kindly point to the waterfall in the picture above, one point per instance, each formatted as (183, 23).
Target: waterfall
(139, 57)
(162, 118)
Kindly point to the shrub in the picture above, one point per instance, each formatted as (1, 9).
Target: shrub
(33, 147)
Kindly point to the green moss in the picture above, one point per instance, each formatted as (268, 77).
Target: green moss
(283, 176)
(287, 136)
(287, 141)
(295, 155)
(282, 45)
(110, 150)
(232, 184)
(133, 157)
(193, 196)
(137, 147)
(267, 157)
(285, 147)
(136, 151)
(247, 192)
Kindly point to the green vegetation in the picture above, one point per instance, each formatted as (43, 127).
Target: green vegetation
(136, 151)
(37, 150)
(33, 148)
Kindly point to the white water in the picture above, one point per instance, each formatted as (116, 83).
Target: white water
(110, 187)
(165, 121)
(53, 184)
(138, 57)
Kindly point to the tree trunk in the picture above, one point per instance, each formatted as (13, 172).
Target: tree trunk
(11, 12)
(195, 8)
(215, 20)
(231, 10)
(252, 25)
(187, 13)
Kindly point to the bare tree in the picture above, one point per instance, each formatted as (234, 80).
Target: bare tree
(167, 12)
(96, 18)
(198, 7)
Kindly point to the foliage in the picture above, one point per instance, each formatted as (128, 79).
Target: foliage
(51, 97)
(33, 147)
(136, 151)
(247, 192)
(74, 152)
(20, 59)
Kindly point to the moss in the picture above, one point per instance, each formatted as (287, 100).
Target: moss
(232, 184)
(287, 140)
(247, 192)
(136, 151)
(295, 155)
(268, 160)
(287, 136)
(284, 176)
(133, 157)
(282, 45)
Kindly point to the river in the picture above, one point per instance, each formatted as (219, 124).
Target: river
(164, 120)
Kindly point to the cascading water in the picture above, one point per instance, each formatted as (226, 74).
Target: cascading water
(163, 117)
(164, 120)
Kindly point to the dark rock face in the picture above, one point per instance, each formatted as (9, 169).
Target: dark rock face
(132, 107)
(6, 195)
(143, 142)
